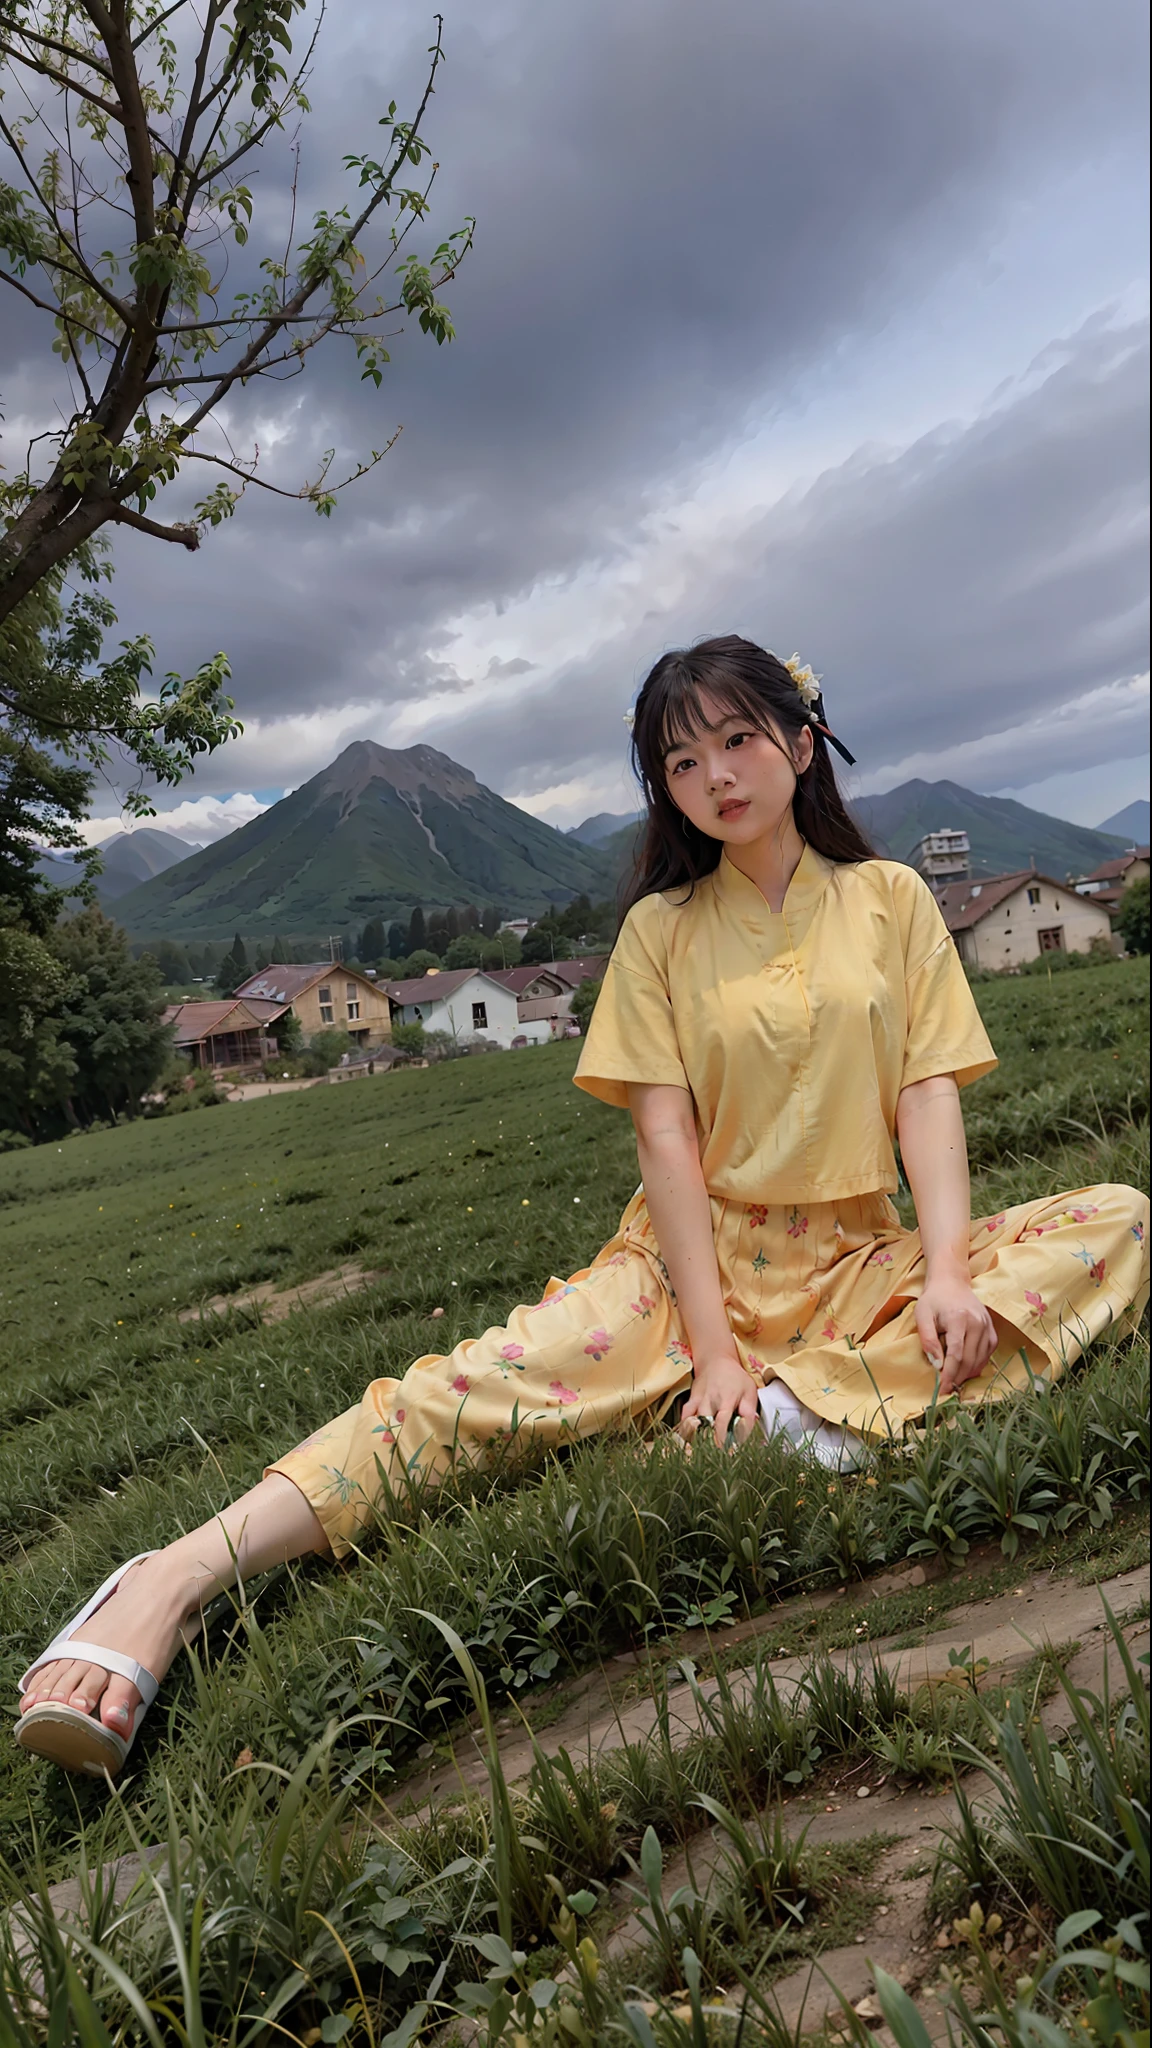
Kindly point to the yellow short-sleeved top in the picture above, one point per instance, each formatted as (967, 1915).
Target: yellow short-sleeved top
(794, 1030)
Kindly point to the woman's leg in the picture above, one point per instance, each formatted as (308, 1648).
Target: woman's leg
(157, 1605)
(600, 1348)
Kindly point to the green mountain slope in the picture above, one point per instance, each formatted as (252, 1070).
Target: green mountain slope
(1004, 835)
(371, 835)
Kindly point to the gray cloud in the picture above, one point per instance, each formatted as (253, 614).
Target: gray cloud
(686, 214)
(953, 590)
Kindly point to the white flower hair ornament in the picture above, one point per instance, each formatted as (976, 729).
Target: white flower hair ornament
(808, 685)
(630, 719)
(806, 682)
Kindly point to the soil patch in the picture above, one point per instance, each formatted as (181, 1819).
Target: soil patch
(272, 1303)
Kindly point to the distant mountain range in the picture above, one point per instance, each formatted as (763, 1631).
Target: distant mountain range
(370, 836)
(605, 825)
(1004, 835)
(128, 858)
(380, 830)
(1131, 823)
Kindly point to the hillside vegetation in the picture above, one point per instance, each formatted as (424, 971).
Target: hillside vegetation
(374, 833)
(462, 1188)
(1005, 836)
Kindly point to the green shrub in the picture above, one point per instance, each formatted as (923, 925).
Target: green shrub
(409, 1038)
(1132, 920)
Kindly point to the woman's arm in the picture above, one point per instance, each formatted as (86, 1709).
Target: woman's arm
(956, 1330)
(678, 1204)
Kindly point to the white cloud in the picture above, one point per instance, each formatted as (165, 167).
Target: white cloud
(197, 819)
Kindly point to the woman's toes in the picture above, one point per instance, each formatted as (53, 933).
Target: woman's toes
(90, 1682)
(63, 1680)
(119, 1704)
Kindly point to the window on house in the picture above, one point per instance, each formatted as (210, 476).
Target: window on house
(1052, 941)
(325, 997)
(353, 995)
(1033, 895)
(479, 1016)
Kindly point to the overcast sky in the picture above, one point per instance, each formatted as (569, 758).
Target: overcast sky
(816, 321)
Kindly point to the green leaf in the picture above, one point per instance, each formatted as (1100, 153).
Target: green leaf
(899, 2011)
(652, 1863)
(1076, 1925)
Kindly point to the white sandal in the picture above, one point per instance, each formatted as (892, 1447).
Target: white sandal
(66, 1735)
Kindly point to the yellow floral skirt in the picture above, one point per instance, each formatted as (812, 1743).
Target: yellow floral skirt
(822, 1298)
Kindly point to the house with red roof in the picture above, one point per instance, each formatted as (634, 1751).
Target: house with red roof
(223, 1034)
(1005, 920)
(325, 996)
(1107, 883)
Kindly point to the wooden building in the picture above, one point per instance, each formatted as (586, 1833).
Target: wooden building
(325, 996)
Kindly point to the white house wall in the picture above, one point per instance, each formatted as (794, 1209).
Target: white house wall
(453, 1013)
(1009, 934)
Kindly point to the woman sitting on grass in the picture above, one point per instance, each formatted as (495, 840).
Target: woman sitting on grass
(780, 1006)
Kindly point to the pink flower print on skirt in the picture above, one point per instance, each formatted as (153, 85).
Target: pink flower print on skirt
(797, 1224)
(642, 1308)
(511, 1352)
(1036, 1302)
(559, 1392)
(461, 1384)
(599, 1344)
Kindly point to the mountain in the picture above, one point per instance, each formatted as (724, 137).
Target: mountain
(1130, 824)
(128, 858)
(132, 857)
(1005, 836)
(370, 836)
(605, 825)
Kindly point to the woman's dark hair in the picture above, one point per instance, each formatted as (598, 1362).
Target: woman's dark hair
(750, 683)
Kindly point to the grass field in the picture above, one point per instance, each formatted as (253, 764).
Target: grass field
(462, 1187)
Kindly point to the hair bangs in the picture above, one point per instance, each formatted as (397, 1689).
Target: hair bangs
(680, 717)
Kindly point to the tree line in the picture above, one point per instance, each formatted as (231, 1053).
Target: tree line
(463, 935)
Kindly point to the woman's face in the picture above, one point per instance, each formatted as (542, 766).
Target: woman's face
(734, 782)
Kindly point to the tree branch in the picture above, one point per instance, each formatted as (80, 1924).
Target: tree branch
(77, 54)
(152, 26)
(184, 536)
(43, 306)
(43, 69)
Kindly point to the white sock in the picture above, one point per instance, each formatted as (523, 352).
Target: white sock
(782, 1413)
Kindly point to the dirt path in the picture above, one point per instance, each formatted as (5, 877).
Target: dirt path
(272, 1303)
(1006, 1629)
(1001, 1633)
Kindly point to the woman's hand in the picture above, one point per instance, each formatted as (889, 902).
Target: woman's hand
(956, 1330)
(722, 1390)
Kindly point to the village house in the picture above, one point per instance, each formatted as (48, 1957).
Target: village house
(224, 1034)
(544, 992)
(1006, 920)
(325, 996)
(466, 1002)
(1107, 883)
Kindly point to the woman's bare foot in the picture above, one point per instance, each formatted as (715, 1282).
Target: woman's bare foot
(153, 1611)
